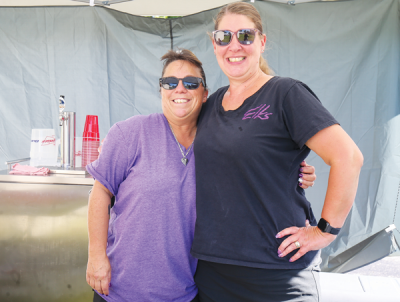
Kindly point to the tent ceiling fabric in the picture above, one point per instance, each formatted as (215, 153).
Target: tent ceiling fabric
(136, 7)
(145, 7)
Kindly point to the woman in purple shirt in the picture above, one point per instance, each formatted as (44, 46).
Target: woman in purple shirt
(139, 250)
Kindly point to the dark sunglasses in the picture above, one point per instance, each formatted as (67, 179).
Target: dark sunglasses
(245, 36)
(189, 83)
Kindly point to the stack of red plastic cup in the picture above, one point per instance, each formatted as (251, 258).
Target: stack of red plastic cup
(91, 140)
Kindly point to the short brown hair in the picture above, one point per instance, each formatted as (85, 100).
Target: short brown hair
(181, 54)
(248, 10)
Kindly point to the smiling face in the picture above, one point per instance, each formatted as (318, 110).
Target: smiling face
(237, 61)
(180, 105)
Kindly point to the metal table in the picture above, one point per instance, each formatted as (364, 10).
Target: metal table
(43, 237)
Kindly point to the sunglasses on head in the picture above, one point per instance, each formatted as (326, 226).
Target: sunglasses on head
(189, 83)
(245, 36)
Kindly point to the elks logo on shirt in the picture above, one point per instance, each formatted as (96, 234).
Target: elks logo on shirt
(258, 112)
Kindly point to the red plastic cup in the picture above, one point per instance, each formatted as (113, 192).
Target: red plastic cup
(90, 140)
(91, 130)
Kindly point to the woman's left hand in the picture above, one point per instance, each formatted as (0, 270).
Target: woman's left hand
(308, 238)
(306, 175)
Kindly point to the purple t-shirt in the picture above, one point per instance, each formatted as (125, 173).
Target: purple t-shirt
(152, 222)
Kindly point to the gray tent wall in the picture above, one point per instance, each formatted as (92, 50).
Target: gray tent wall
(107, 63)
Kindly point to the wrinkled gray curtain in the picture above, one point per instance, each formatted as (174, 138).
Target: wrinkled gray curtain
(107, 63)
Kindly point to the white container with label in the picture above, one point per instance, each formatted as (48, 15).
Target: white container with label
(44, 149)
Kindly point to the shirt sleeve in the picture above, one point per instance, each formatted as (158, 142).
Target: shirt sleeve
(304, 115)
(110, 169)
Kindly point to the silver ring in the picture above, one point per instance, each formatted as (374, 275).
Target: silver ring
(297, 244)
(300, 180)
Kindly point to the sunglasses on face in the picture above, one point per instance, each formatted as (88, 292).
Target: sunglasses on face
(189, 83)
(245, 36)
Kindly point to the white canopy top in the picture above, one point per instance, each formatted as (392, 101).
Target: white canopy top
(142, 7)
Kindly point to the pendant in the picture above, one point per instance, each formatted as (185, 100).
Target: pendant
(184, 161)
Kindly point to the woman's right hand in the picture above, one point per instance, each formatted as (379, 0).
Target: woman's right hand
(308, 238)
(98, 273)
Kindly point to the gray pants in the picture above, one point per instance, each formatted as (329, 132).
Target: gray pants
(223, 282)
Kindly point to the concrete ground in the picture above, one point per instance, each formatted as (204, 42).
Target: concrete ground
(378, 281)
(386, 267)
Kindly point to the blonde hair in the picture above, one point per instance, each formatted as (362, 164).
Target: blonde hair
(248, 10)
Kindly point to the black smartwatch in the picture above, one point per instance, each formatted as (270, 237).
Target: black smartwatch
(325, 227)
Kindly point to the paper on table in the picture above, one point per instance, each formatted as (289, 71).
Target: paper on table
(28, 170)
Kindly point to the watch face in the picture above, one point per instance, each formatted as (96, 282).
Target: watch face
(323, 225)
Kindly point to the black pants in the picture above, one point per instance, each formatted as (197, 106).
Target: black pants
(223, 282)
(98, 298)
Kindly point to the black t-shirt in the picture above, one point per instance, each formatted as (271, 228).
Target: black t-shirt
(247, 170)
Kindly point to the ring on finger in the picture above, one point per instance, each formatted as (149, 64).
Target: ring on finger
(297, 244)
(300, 180)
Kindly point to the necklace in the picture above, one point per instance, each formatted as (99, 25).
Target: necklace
(184, 160)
